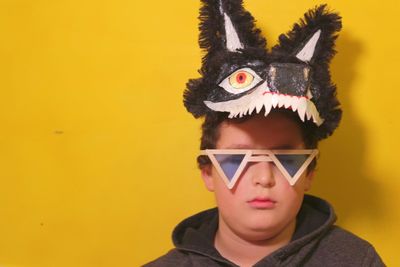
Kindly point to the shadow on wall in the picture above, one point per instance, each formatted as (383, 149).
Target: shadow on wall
(342, 175)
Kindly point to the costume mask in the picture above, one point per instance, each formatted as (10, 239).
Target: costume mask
(240, 76)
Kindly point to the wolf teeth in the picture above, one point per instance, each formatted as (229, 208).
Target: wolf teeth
(282, 100)
(294, 103)
(287, 101)
(268, 108)
(274, 100)
(252, 108)
(308, 113)
(305, 108)
(259, 104)
(301, 109)
(315, 115)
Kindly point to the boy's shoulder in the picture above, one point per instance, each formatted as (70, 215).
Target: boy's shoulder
(319, 242)
(339, 247)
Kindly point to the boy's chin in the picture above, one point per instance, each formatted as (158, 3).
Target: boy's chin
(260, 231)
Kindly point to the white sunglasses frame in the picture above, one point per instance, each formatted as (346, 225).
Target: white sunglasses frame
(259, 155)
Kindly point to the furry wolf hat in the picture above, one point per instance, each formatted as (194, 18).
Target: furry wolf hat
(241, 77)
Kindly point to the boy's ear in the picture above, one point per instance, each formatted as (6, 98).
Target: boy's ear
(207, 177)
(309, 179)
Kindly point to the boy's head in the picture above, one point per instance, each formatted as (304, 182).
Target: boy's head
(262, 203)
(275, 105)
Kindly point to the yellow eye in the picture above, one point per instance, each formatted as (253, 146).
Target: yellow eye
(240, 79)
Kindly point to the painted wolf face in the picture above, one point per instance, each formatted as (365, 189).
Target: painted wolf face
(241, 77)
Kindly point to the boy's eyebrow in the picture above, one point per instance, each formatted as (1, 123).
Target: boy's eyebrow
(245, 146)
(284, 146)
(238, 146)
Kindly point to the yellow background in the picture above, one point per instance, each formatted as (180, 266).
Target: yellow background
(97, 159)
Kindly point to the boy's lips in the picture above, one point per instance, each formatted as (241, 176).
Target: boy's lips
(262, 203)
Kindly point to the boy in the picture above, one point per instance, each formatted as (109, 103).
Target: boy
(264, 115)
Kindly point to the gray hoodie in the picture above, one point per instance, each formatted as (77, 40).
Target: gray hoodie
(316, 242)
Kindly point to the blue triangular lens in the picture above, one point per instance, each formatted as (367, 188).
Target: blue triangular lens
(292, 163)
(229, 163)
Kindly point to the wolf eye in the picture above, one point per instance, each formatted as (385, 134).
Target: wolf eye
(240, 81)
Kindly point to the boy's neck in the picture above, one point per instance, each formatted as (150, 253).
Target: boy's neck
(244, 252)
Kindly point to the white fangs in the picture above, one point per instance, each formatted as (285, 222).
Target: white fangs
(281, 101)
(287, 101)
(267, 107)
(308, 114)
(301, 108)
(294, 102)
(274, 100)
(260, 98)
(259, 104)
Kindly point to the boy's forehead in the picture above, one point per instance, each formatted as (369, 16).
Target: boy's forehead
(271, 132)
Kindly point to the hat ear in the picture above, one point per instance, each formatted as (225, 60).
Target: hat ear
(307, 51)
(226, 26)
(313, 38)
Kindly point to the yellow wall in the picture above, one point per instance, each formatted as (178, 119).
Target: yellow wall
(97, 151)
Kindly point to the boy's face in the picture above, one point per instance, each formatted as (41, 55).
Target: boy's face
(262, 203)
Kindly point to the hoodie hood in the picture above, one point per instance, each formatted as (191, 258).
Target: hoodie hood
(316, 216)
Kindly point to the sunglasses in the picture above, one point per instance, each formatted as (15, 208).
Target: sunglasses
(230, 163)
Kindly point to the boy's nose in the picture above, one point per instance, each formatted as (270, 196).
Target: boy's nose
(263, 174)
